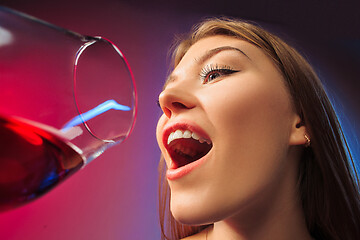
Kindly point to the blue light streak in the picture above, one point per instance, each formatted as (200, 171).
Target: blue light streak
(100, 109)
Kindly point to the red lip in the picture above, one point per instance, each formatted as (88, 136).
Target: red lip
(176, 173)
(173, 172)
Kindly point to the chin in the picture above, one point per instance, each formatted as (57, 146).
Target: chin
(193, 215)
(190, 219)
(186, 215)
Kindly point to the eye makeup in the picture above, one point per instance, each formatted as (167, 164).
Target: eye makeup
(213, 71)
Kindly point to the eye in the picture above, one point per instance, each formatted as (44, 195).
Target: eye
(211, 72)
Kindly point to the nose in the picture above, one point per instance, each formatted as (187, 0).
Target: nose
(174, 100)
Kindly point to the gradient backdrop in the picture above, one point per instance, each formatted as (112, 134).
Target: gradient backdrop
(115, 197)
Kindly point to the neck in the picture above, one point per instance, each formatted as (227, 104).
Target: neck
(286, 224)
(276, 214)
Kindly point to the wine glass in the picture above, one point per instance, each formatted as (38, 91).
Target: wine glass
(64, 99)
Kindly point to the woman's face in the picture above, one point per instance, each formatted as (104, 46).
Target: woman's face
(225, 132)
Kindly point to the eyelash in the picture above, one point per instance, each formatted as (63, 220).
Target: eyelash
(210, 69)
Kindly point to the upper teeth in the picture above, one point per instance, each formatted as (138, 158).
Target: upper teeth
(186, 134)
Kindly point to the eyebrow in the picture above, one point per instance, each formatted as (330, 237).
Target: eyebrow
(215, 51)
(209, 54)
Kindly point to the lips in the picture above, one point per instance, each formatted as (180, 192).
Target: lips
(186, 144)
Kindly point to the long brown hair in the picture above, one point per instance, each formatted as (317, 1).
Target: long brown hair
(328, 182)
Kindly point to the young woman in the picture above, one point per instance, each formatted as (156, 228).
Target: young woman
(252, 148)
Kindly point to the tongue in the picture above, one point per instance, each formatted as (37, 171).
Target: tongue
(187, 150)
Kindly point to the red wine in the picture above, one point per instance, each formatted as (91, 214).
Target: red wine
(32, 161)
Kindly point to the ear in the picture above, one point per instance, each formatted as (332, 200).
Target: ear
(298, 131)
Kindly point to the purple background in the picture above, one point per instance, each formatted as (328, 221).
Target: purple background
(115, 197)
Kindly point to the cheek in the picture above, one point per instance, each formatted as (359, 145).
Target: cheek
(252, 127)
(253, 123)
(252, 107)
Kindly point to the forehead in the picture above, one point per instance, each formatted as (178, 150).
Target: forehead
(203, 46)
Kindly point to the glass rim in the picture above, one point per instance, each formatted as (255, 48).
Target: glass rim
(90, 41)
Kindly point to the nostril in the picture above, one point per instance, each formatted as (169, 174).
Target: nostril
(174, 107)
(178, 105)
(167, 112)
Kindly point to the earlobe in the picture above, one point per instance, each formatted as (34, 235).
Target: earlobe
(298, 135)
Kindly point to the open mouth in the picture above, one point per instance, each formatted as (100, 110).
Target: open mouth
(185, 147)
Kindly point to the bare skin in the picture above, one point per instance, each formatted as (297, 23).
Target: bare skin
(247, 186)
